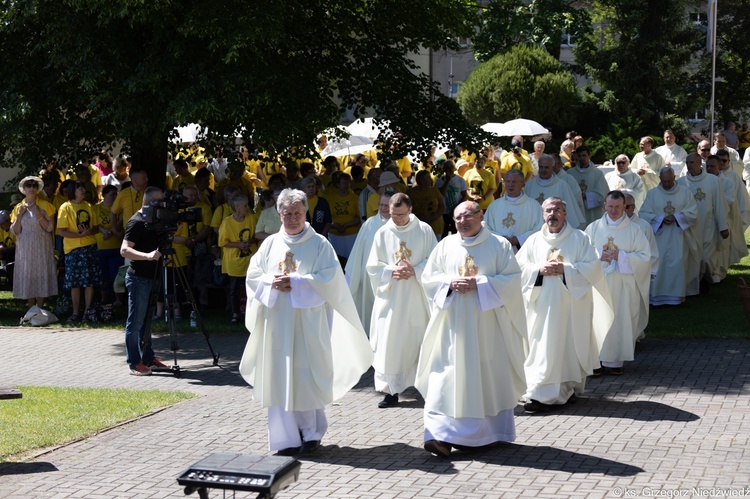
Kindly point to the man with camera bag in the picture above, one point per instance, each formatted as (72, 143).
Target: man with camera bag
(139, 246)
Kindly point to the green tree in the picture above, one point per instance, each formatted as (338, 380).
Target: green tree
(80, 75)
(525, 82)
(504, 24)
(639, 55)
(732, 63)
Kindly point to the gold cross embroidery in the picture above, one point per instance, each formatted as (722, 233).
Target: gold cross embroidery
(555, 256)
(540, 199)
(699, 195)
(584, 187)
(509, 221)
(610, 244)
(403, 253)
(468, 268)
(288, 265)
(669, 209)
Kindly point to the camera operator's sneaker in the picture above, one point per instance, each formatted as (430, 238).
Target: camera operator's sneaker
(157, 363)
(140, 370)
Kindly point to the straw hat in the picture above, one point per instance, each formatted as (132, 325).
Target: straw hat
(31, 178)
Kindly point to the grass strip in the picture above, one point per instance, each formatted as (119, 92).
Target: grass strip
(51, 416)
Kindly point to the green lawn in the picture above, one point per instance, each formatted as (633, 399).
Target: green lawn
(215, 319)
(47, 416)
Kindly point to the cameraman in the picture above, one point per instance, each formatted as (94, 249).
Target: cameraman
(140, 247)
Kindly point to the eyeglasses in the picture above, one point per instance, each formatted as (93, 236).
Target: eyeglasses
(31, 184)
(705, 149)
(468, 216)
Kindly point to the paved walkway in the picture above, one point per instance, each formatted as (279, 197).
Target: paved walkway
(677, 423)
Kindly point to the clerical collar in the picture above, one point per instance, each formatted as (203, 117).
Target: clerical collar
(584, 167)
(555, 235)
(296, 237)
(470, 240)
(547, 181)
(513, 199)
(615, 223)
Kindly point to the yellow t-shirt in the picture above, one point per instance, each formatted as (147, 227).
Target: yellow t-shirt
(181, 252)
(222, 212)
(244, 184)
(182, 181)
(373, 205)
(509, 161)
(404, 167)
(76, 217)
(234, 262)
(479, 182)
(102, 215)
(127, 202)
(343, 210)
(7, 238)
(425, 203)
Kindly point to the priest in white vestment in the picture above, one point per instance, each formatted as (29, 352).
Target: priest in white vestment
(647, 163)
(356, 265)
(735, 162)
(547, 184)
(625, 257)
(563, 175)
(734, 218)
(622, 177)
(643, 314)
(673, 154)
(737, 244)
(712, 227)
(400, 312)
(514, 216)
(471, 363)
(592, 183)
(672, 213)
(307, 347)
(561, 276)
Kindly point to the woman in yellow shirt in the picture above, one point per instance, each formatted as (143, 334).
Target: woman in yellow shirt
(238, 243)
(77, 224)
(108, 245)
(345, 213)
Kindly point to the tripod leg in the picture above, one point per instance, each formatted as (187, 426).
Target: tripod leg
(191, 298)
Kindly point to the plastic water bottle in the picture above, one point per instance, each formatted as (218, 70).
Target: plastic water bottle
(193, 319)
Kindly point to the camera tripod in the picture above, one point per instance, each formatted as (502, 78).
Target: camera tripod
(170, 300)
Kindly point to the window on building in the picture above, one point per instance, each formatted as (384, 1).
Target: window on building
(453, 90)
(568, 40)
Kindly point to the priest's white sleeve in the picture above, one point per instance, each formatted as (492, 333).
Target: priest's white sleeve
(683, 223)
(488, 298)
(623, 263)
(443, 298)
(265, 292)
(303, 295)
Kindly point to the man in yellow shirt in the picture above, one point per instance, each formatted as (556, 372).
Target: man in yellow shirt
(128, 201)
(481, 184)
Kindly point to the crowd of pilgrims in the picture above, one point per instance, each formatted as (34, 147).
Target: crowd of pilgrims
(74, 218)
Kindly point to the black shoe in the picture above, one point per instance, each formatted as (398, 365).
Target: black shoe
(599, 371)
(310, 446)
(389, 401)
(615, 371)
(289, 451)
(536, 406)
(440, 449)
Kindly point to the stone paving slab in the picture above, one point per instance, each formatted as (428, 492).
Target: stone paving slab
(677, 422)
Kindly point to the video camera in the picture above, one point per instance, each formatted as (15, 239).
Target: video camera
(165, 215)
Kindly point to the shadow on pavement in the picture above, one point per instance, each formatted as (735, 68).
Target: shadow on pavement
(26, 468)
(604, 408)
(400, 456)
(544, 457)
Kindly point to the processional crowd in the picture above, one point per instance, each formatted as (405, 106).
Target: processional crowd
(494, 278)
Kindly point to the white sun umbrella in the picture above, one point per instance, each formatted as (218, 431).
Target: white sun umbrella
(352, 150)
(348, 140)
(189, 134)
(365, 128)
(520, 126)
